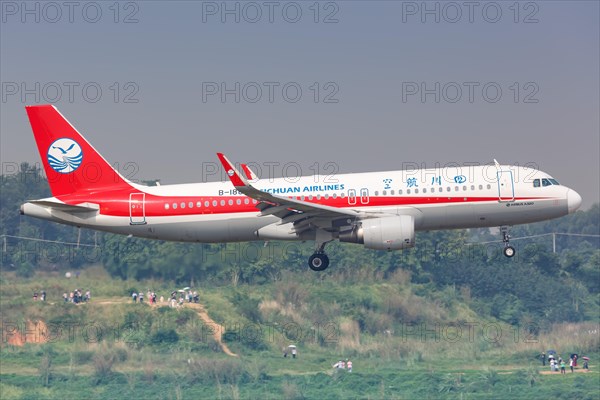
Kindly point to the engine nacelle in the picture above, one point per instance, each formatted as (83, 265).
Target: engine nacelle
(386, 233)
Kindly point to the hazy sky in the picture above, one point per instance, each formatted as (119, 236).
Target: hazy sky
(159, 87)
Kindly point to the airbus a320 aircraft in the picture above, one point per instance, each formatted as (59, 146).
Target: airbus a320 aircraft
(380, 210)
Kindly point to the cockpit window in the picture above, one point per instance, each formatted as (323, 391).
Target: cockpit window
(536, 183)
(554, 181)
(546, 182)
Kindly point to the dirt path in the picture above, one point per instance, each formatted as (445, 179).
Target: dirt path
(217, 333)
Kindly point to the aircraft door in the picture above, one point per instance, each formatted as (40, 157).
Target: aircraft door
(352, 197)
(137, 209)
(506, 187)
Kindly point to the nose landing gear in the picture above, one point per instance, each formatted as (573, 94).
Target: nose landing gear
(508, 251)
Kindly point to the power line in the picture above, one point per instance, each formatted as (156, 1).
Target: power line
(43, 240)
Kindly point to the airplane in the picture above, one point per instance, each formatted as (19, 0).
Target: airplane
(380, 210)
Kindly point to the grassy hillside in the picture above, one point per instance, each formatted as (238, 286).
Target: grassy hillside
(405, 340)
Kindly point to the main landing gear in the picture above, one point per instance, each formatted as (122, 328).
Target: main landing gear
(508, 251)
(319, 260)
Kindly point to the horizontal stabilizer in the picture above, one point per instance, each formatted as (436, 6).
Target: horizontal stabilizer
(79, 208)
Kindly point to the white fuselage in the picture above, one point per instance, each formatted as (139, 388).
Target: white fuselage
(446, 198)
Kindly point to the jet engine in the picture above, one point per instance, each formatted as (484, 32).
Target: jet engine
(386, 233)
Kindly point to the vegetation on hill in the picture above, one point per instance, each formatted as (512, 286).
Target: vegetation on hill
(446, 319)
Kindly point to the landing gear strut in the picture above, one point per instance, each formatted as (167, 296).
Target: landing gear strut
(319, 260)
(508, 251)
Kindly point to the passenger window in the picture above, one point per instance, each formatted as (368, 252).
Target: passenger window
(536, 183)
(214, 203)
(166, 206)
(206, 204)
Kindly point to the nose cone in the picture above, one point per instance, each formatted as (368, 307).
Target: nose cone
(573, 201)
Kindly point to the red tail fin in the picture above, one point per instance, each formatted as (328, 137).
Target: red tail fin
(71, 163)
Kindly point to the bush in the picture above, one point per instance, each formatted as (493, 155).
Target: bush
(82, 357)
(217, 371)
(25, 270)
(165, 335)
(103, 363)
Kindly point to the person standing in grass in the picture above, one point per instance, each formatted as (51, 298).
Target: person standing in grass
(543, 357)
(562, 367)
(571, 364)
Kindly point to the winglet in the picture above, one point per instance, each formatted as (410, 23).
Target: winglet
(236, 178)
(250, 175)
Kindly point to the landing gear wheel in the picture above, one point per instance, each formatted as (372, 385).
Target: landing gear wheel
(318, 262)
(509, 251)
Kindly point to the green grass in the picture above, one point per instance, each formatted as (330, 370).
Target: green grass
(139, 357)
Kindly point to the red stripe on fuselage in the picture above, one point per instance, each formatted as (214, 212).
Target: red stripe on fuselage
(117, 204)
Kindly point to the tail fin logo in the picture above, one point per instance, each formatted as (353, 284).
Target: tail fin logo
(65, 155)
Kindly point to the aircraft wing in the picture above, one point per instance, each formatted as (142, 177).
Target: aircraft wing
(288, 210)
